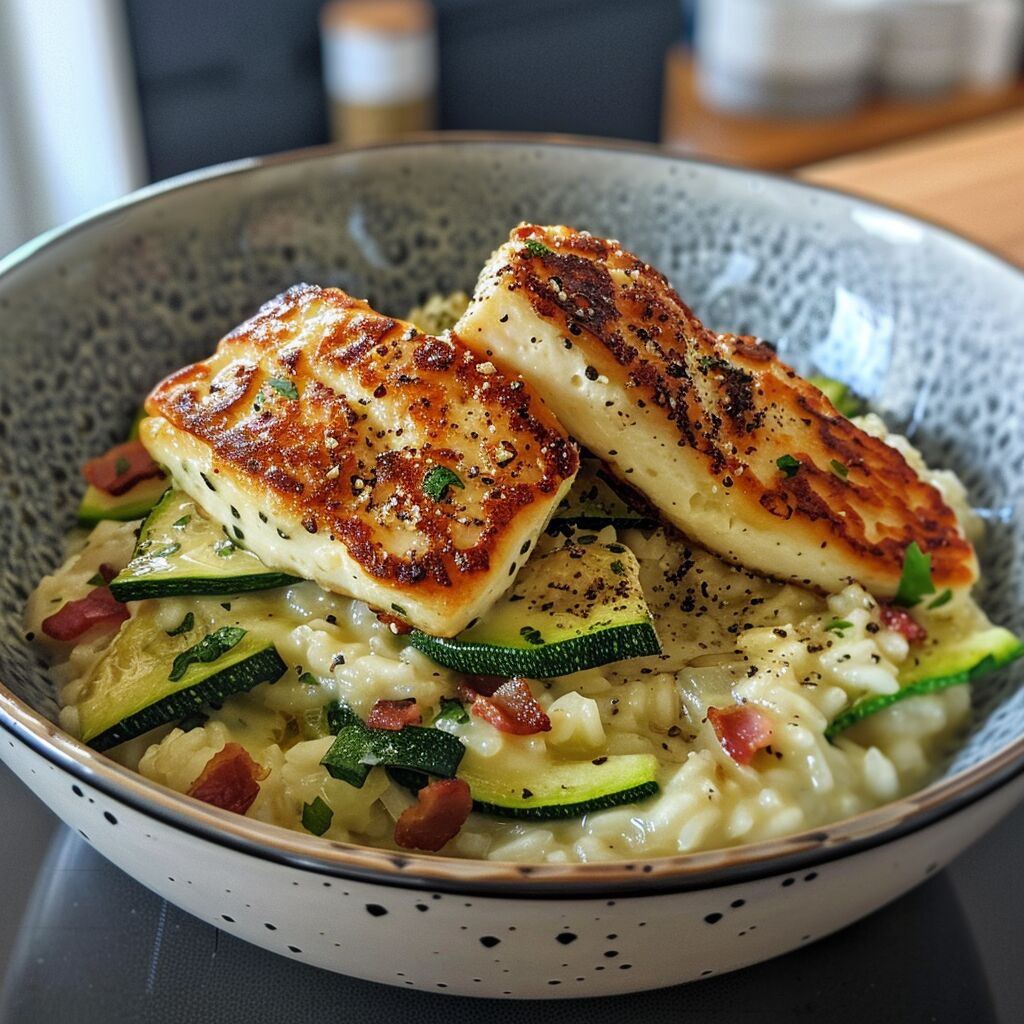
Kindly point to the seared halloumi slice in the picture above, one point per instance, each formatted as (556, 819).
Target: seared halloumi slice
(699, 422)
(345, 447)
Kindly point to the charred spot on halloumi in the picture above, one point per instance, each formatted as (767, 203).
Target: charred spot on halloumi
(348, 448)
(729, 443)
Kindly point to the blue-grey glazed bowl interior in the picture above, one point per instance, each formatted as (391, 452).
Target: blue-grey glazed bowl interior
(930, 327)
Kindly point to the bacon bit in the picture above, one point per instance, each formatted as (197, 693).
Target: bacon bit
(899, 620)
(742, 730)
(230, 780)
(397, 626)
(510, 707)
(394, 714)
(107, 571)
(441, 809)
(121, 468)
(98, 608)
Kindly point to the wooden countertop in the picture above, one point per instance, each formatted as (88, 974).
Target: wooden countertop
(970, 179)
(778, 143)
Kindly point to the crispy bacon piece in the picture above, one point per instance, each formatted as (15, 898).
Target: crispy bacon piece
(107, 571)
(899, 620)
(121, 468)
(441, 809)
(394, 714)
(231, 779)
(509, 707)
(98, 608)
(742, 730)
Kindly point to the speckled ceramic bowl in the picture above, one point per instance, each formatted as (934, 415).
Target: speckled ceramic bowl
(928, 325)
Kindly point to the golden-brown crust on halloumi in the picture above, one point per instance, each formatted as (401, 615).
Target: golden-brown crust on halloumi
(698, 421)
(323, 424)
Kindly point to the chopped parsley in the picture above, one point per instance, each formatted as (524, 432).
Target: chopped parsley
(438, 480)
(398, 609)
(121, 466)
(452, 711)
(839, 469)
(838, 625)
(97, 581)
(184, 626)
(283, 386)
(618, 568)
(308, 679)
(916, 578)
(944, 598)
(706, 363)
(213, 646)
(317, 816)
(535, 248)
(788, 465)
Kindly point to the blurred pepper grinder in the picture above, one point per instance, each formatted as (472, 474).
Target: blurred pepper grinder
(380, 68)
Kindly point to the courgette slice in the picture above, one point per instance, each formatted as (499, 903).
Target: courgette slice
(135, 503)
(946, 664)
(131, 690)
(414, 748)
(181, 552)
(592, 504)
(567, 789)
(846, 401)
(570, 609)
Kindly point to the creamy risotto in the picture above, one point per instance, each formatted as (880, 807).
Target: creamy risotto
(727, 636)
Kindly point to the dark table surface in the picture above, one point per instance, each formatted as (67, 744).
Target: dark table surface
(80, 941)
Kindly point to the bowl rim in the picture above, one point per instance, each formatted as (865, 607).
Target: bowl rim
(641, 877)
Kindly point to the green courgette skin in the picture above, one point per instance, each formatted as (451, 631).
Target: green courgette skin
(520, 809)
(562, 658)
(133, 504)
(553, 812)
(194, 568)
(144, 588)
(1008, 651)
(414, 748)
(265, 666)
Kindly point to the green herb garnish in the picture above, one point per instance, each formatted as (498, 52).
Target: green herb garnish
(944, 598)
(438, 480)
(535, 248)
(838, 625)
(121, 466)
(916, 578)
(317, 816)
(788, 465)
(308, 679)
(452, 711)
(224, 548)
(839, 469)
(283, 386)
(210, 648)
(398, 609)
(706, 363)
(184, 626)
(618, 568)
(97, 581)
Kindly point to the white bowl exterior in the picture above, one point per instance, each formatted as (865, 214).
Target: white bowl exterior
(491, 946)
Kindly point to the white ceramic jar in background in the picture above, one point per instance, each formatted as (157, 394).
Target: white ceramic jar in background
(996, 39)
(785, 57)
(923, 46)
